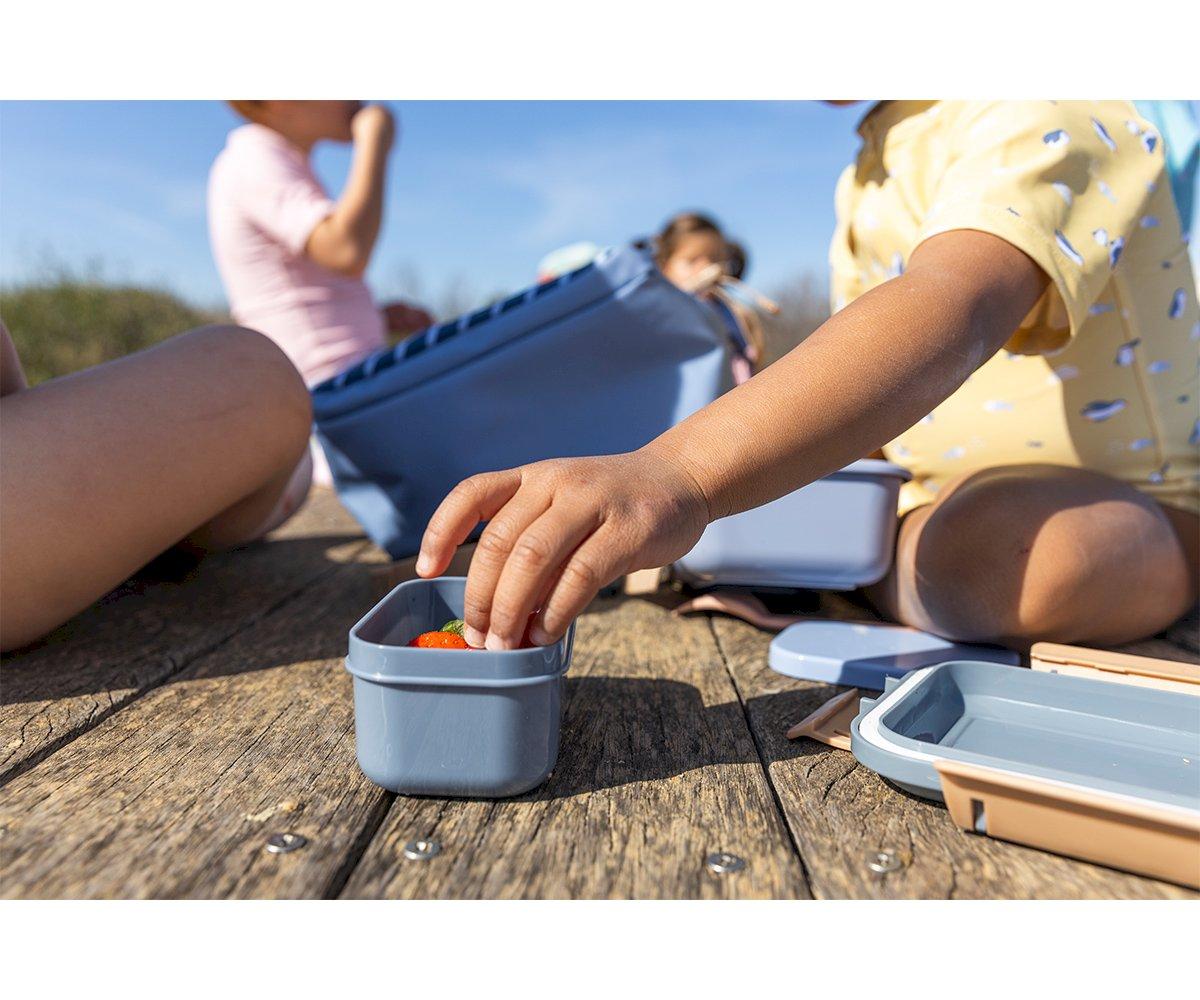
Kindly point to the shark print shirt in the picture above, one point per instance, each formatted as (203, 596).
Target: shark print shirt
(1102, 373)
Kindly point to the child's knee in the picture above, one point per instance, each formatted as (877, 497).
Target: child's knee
(978, 568)
(268, 379)
(1022, 554)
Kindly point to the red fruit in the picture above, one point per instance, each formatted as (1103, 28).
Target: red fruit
(439, 640)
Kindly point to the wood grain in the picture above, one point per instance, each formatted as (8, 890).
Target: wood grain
(155, 625)
(840, 812)
(176, 794)
(150, 748)
(657, 770)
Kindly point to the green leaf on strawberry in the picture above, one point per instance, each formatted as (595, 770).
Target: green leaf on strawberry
(455, 626)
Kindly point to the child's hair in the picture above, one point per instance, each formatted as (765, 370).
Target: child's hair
(666, 243)
(679, 226)
(250, 110)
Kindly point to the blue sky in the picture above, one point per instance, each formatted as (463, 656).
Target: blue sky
(478, 191)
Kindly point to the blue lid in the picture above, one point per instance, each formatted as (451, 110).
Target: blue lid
(863, 654)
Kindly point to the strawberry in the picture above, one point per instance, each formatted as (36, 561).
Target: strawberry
(439, 640)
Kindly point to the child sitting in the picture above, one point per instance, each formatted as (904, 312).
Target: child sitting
(1016, 322)
(291, 258)
(688, 249)
(199, 440)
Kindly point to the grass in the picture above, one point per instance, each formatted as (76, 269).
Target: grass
(66, 322)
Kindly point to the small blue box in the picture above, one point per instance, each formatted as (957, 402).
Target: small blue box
(451, 722)
(836, 533)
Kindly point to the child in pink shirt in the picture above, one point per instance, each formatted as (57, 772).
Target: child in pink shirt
(291, 257)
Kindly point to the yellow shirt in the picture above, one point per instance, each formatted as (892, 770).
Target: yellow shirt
(1102, 374)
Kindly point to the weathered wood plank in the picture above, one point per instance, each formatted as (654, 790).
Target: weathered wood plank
(176, 794)
(657, 770)
(154, 626)
(231, 719)
(839, 812)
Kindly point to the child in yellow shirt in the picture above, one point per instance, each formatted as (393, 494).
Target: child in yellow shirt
(1015, 321)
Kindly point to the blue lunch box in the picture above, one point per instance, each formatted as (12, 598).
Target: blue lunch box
(467, 723)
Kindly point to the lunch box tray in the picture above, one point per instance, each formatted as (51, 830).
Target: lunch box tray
(1101, 771)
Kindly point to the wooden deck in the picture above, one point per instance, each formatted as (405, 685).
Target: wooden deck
(153, 746)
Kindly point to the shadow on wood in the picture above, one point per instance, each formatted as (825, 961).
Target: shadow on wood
(178, 605)
(624, 730)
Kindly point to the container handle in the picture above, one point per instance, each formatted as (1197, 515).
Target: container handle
(457, 682)
(830, 724)
(1141, 837)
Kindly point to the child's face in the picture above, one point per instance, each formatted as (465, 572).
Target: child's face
(311, 121)
(695, 252)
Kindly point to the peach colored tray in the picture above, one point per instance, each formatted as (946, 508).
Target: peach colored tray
(1144, 671)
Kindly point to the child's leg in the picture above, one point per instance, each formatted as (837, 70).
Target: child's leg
(195, 439)
(1025, 553)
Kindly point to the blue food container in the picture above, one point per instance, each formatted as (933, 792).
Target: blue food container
(1097, 770)
(441, 722)
(837, 533)
(595, 362)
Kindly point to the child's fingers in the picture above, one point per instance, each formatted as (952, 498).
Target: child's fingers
(593, 564)
(471, 501)
(491, 553)
(527, 575)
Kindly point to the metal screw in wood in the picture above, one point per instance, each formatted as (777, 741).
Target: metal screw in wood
(285, 843)
(883, 862)
(724, 863)
(421, 850)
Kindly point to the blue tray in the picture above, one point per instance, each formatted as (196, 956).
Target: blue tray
(1102, 771)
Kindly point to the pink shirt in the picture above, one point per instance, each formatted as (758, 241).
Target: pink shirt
(263, 202)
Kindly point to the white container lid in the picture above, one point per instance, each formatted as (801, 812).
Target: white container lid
(863, 654)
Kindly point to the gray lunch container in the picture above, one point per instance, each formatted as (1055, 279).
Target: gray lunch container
(1118, 739)
(1102, 771)
(837, 533)
(464, 723)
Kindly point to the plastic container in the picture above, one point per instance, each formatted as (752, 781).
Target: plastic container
(469, 723)
(865, 654)
(1120, 668)
(835, 534)
(1105, 772)
(595, 362)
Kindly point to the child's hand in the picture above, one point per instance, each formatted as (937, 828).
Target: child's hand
(373, 123)
(403, 318)
(559, 531)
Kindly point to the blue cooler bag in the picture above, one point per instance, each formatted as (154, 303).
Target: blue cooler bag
(598, 361)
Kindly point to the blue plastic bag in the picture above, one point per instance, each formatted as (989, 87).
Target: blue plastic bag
(596, 362)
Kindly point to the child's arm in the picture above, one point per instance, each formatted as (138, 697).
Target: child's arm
(343, 241)
(562, 529)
